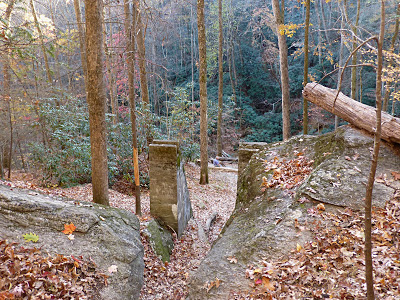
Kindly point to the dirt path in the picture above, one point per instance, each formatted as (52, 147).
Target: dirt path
(167, 281)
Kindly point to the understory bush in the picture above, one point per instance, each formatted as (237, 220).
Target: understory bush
(64, 157)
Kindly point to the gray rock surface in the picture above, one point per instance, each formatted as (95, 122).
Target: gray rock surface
(107, 235)
(262, 224)
(160, 240)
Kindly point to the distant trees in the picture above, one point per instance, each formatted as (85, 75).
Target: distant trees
(96, 100)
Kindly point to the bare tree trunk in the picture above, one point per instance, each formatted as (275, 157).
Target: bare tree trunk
(142, 70)
(354, 58)
(96, 100)
(110, 73)
(369, 277)
(81, 33)
(7, 82)
(305, 78)
(56, 61)
(340, 62)
(1, 162)
(203, 93)
(220, 79)
(283, 62)
(37, 25)
(130, 26)
(11, 135)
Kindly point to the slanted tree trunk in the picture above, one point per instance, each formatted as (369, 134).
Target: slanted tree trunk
(220, 80)
(96, 99)
(130, 26)
(360, 115)
(305, 78)
(37, 25)
(81, 34)
(283, 63)
(203, 93)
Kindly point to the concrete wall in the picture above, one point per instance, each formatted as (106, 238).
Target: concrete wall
(169, 195)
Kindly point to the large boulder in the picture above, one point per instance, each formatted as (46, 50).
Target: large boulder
(107, 235)
(263, 224)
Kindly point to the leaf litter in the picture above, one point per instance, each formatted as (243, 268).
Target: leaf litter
(329, 266)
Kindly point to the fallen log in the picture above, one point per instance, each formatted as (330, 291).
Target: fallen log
(356, 113)
(228, 159)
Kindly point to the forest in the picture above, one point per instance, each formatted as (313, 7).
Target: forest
(87, 87)
(44, 112)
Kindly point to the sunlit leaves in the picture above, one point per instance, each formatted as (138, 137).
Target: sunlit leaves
(31, 237)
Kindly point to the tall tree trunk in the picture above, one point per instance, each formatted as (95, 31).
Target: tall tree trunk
(393, 42)
(354, 58)
(110, 71)
(1, 161)
(56, 61)
(203, 92)
(369, 277)
(283, 62)
(81, 34)
(96, 99)
(142, 70)
(130, 26)
(37, 25)
(220, 79)
(7, 81)
(340, 62)
(319, 33)
(323, 17)
(305, 79)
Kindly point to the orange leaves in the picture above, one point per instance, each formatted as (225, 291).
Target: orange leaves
(286, 174)
(69, 228)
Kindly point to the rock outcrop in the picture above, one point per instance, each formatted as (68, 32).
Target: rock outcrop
(108, 236)
(263, 223)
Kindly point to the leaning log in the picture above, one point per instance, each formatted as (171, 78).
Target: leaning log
(356, 113)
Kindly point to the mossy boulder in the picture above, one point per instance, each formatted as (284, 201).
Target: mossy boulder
(160, 240)
(262, 225)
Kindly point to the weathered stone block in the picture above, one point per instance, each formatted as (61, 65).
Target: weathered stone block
(169, 195)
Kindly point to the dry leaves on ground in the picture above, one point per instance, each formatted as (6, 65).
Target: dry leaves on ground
(332, 265)
(31, 273)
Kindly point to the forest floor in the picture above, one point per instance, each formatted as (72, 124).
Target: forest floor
(329, 266)
(165, 280)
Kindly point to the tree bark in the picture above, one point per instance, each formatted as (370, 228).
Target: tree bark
(220, 79)
(130, 58)
(142, 70)
(203, 93)
(7, 81)
(96, 99)
(81, 34)
(354, 58)
(369, 269)
(283, 63)
(354, 112)
(37, 25)
(305, 78)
